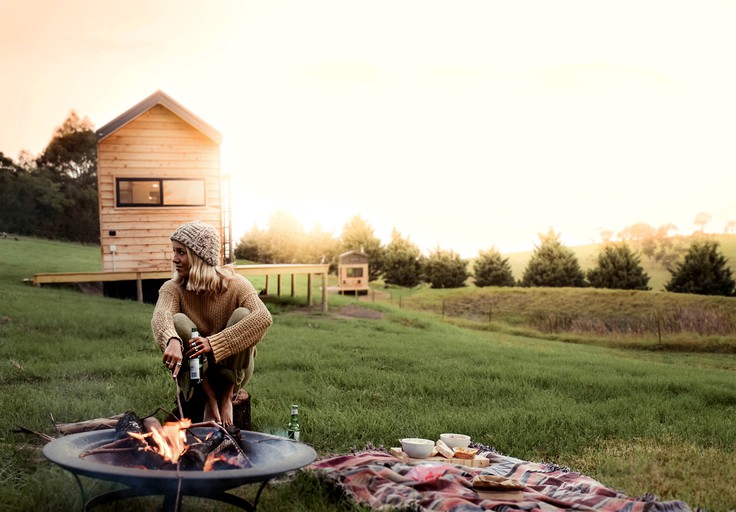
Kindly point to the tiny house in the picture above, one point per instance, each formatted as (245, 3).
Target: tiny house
(158, 166)
(352, 271)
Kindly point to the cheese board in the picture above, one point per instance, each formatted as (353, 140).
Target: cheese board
(476, 462)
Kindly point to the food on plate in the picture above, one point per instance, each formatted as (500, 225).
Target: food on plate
(464, 453)
(443, 449)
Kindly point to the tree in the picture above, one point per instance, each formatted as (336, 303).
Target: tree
(403, 261)
(285, 237)
(552, 264)
(319, 247)
(254, 246)
(618, 268)
(704, 271)
(357, 235)
(701, 219)
(70, 162)
(492, 269)
(446, 269)
(636, 234)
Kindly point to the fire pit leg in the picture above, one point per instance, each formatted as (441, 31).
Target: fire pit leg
(172, 500)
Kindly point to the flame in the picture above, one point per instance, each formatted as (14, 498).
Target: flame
(168, 441)
(209, 464)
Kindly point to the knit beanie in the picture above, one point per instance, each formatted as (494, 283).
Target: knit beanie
(200, 238)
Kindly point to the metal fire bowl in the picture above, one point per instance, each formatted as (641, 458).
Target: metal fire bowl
(271, 456)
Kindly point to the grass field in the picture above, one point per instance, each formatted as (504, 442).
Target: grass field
(642, 421)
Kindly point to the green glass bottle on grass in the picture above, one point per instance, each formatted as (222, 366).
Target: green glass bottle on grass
(293, 427)
(195, 363)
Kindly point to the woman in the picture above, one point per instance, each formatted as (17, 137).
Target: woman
(225, 309)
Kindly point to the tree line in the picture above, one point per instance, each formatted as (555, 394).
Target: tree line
(703, 270)
(54, 195)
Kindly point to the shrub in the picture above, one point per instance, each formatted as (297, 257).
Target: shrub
(402, 262)
(491, 269)
(552, 264)
(446, 269)
(704, 271)
(618, 268)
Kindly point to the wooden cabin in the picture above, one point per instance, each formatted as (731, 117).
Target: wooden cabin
(158, 166)
(352, 272)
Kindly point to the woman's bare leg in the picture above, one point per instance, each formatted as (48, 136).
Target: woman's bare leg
(226, 405)
(211, 407)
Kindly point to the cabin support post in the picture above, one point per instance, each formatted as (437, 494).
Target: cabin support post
(293, 284)
(309, 289)
(324, 292)
(278, 285)
(139, 287)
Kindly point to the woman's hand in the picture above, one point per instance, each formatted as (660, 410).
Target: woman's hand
(198, 347)
(172, 356)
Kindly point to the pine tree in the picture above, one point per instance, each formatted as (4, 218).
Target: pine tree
(492, 269)
(618, 268)
(704, 271)
(446, 269)
(402, 262)
(553, 264)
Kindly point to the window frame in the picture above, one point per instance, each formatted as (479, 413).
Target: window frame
(161, 187)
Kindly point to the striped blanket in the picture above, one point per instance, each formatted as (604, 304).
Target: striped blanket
(382, 482)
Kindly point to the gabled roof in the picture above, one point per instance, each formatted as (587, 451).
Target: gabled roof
(158, 98)
(354, 253)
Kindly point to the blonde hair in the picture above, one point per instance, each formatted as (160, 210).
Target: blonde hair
(203, 277)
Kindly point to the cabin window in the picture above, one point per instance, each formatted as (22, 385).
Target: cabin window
(159, 192)
(354, 271)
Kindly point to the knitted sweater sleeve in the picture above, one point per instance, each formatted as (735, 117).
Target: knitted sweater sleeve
(162, 322)
(248, 331)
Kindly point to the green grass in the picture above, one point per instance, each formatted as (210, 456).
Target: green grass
(615, 318)
(640, 421)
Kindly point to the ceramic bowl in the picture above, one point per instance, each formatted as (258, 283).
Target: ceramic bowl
(417, 448)
(455, 440)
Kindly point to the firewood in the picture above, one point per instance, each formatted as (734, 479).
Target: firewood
(86, 426)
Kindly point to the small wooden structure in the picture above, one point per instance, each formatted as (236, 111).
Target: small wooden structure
(158, 166)
(352, 272)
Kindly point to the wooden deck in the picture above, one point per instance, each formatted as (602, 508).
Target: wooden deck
(246, 270)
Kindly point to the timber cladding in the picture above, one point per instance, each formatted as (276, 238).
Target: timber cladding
(156, 169)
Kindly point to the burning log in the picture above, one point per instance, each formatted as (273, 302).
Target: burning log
(128, 422)
(174, 445)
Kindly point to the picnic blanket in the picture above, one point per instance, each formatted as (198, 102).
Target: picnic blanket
(383, 482)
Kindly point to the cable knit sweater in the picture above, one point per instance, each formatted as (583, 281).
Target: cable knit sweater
(210, 314)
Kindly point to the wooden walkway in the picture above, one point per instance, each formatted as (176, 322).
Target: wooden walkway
(246, 270)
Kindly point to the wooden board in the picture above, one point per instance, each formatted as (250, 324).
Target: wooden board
(477, 462)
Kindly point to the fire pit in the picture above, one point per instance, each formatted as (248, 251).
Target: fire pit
(271, 456)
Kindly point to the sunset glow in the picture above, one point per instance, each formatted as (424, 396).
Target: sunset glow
(462, 124)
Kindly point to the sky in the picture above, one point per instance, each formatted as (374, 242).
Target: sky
(462, 124)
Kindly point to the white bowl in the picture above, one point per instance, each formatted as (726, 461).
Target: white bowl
(417, 448)
(455, 440)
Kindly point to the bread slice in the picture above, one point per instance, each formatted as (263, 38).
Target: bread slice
(465, 453)
(443, 449)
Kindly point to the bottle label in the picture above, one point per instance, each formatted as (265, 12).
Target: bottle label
(194, 373)
(294, 435)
